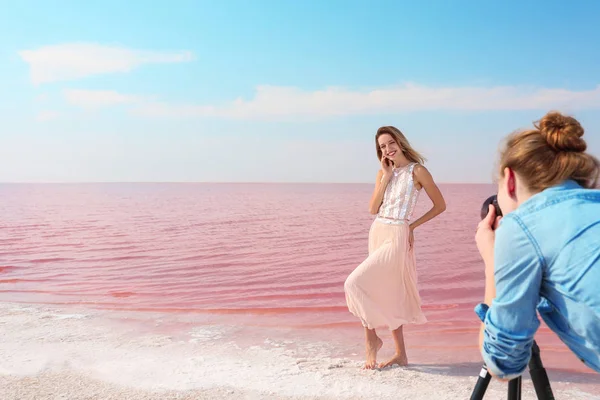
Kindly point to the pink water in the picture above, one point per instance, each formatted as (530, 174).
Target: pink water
(262, 255)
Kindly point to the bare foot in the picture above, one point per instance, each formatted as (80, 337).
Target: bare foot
(399, 359)
(373, 346)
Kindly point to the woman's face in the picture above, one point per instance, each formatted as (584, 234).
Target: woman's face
(389, 147)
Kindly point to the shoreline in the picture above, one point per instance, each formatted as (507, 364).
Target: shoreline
(48, 353)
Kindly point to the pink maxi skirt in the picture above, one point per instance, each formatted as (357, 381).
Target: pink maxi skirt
(382, 291)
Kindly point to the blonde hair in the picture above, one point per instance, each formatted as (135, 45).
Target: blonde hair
(551, 153)
(410, 153)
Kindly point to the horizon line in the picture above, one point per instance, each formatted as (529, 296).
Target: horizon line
(215, 183)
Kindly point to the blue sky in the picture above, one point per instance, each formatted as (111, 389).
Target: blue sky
(271, 91)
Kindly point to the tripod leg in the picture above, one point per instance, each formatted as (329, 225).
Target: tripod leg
(540, 380)
(482, 383)
(514, 389)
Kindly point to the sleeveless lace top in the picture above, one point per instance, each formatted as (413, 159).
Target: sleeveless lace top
(401, 195)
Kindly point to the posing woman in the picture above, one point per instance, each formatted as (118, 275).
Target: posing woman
(382, 291)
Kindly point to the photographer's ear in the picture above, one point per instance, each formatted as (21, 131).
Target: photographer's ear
(510, 183)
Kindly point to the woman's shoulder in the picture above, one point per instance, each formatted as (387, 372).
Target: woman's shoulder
(418, 167)
(420, 171)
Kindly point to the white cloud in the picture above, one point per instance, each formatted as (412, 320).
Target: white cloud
(272, 102)
(78, 60)
(284, 102)
(47, 115)
(99, 98)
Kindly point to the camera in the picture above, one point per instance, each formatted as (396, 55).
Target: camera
(486, 206)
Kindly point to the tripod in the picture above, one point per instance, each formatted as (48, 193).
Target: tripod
(538, 377)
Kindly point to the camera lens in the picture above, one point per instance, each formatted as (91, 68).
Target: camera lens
(486, 206)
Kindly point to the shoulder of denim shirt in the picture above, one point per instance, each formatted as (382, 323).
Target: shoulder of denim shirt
(552, 196)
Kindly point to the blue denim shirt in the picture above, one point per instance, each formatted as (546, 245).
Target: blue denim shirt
(546, 258)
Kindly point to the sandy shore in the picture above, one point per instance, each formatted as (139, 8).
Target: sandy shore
(411, 384)
(70, 386)
(51, 354)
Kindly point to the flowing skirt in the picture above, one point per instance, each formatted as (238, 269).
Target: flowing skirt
(382, 291)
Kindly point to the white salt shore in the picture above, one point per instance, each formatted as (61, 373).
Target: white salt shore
(47, 353)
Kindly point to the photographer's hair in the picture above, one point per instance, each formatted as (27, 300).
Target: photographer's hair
(402, 141)
(550, 154)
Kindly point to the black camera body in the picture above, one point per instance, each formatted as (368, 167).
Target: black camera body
(486, 206)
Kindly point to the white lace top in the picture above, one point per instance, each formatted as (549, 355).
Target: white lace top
(401, 195)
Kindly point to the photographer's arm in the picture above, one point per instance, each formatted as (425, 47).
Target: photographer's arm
(512, 292)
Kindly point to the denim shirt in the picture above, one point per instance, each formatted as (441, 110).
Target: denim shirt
(546, 258)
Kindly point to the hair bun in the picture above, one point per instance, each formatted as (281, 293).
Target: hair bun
(563, 133)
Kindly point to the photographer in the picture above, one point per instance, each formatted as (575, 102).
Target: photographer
(543, 254)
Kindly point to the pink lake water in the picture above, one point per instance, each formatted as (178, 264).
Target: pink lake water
(260, 258)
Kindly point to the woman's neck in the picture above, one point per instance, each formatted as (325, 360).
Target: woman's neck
(401, 161)
(523, 192)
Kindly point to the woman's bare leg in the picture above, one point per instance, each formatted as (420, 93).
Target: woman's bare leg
(373, 344)
(400, 357)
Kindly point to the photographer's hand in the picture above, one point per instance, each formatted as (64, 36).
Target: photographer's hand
(486, 236)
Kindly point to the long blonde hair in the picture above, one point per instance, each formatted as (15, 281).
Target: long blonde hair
(551, 153)
(408, 151)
